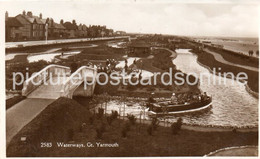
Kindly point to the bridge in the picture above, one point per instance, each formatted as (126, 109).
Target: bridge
(56, 81)
(43, 88)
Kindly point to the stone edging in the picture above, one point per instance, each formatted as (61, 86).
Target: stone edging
(230, 148)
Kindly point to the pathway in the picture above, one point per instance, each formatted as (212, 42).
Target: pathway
(219, 58)
(22, 113)
(174, 54)
(43, 42)
(236, 151)
(51, 90)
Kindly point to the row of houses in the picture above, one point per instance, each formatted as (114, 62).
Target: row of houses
(27, 26)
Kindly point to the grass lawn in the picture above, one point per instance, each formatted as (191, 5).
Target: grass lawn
(209, 60)
(235, 58)
(14, 100)
(160, 63)
(62, 121)
(18, 59)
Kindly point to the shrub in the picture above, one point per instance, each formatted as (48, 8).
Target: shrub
(103, 127)
(91, 119)
(110, 119)
(176, 127)
(150, 130)
(131, 118)
(100, 130)
(155, 123)
(125, 129)
(100, 113)
(179, 123)
(127, 126)
(99, 133)
(114, 114)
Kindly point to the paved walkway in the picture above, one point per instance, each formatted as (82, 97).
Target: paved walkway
(237, 151)
(174, 54)
(49, 91)
(219, 58)
(22, 113)
(43, 42)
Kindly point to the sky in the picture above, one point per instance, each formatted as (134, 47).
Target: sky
(176, 18)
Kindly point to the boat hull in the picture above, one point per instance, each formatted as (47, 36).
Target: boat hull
(180, 109)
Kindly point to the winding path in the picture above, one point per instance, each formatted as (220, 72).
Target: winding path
(219, 58)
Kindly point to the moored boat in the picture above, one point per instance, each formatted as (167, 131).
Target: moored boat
(167, 108)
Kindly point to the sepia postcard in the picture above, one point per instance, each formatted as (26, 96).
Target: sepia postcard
(132, 78)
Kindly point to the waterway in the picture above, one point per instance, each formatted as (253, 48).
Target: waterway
(50, 54)
(232, 105)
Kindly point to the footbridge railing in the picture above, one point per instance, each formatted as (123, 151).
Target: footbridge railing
(84, 73)
(38, 78)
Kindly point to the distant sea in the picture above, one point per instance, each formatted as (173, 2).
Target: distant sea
(236, 44)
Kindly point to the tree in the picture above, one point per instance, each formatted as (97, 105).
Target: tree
(100, 113)
(155, 123)
(131, 118)
(125, 129)
(150, 130)
(176, 127)
(99, 132)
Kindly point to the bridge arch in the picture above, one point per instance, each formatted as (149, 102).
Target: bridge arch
(82, 75)
(51, 70)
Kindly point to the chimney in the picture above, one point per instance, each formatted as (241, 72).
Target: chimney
(40, 16)
(61, 21)
(30, 14)
(73, 21)
(6, 16)
(24, 12)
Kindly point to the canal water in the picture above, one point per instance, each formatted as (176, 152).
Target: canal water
(130, 61)
(50, 54)
(232, 104)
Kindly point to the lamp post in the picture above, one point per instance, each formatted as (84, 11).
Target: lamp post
(46, 33)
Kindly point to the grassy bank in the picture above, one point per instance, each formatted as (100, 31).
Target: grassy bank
(209, 60)
(12, 101)
(236, 58)
(62, 121)
(161, 62)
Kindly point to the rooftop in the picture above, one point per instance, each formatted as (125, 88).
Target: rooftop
(13, 22)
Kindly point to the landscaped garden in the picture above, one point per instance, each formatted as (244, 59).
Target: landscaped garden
(66, 121)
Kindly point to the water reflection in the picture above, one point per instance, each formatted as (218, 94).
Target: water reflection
(232, 104)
